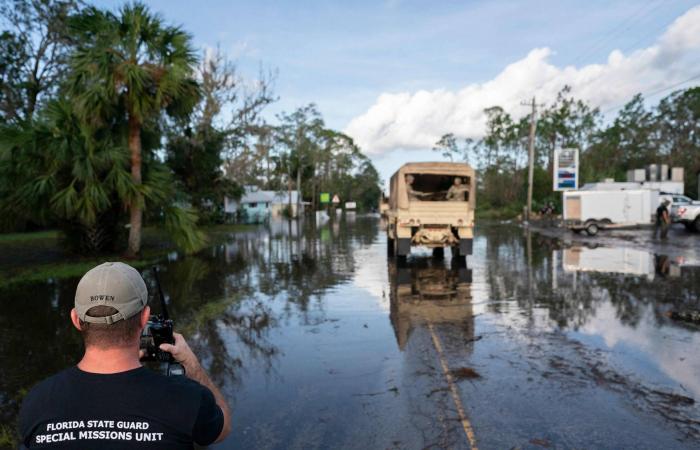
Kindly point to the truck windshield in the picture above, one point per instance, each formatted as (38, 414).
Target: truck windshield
(437, 188)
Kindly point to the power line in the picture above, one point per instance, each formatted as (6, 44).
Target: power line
(647, 35)
(658, 91)
(625, 25)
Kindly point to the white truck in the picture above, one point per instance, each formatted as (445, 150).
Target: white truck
(688, 214)
(594, 210)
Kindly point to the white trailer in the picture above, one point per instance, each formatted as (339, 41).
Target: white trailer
(595, 210)
(622, 260)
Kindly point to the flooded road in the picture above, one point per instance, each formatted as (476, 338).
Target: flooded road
(320, 342)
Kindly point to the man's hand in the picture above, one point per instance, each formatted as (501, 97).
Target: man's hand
(182, 353)
(194, 371)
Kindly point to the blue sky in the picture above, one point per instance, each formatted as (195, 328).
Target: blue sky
(344, 55)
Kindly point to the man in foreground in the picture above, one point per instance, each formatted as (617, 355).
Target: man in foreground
(109, 400)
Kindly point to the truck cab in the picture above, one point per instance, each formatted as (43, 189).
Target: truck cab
(431, 204)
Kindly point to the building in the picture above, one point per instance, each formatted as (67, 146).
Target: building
(257, 205)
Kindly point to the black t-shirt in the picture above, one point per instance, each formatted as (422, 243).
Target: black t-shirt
(660, 213)
(138, 408)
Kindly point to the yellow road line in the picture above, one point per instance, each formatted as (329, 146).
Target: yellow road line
(466, 425)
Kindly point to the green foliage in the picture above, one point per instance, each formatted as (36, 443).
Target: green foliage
(318, 159)
(180, 222)
(130, 61)
(83, 183)
(34, 47)
(667, 134)
(195, 158)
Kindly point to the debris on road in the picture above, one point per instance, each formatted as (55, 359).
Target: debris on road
(690, 315)
(465, 373)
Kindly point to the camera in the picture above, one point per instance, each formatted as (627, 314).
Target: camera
(159, 330)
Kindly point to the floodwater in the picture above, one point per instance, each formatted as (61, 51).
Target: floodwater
(319, 341)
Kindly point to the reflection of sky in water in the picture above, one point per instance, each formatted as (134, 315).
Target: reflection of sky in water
(671, 349)
(614, 299)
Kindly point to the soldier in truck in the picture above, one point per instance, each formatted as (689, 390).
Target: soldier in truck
(456, 192)
(412, 193)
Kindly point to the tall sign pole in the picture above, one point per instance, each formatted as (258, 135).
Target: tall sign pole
(565, 169)
(531, 157)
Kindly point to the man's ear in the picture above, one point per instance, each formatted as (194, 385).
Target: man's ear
(74, 318)
(145, 315)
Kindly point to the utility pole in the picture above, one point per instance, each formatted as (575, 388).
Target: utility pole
(531, 155)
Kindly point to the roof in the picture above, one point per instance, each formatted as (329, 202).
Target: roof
(253, 194)
(440, 168)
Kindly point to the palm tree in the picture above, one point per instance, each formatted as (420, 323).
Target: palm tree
(131, 62)
(57, 170)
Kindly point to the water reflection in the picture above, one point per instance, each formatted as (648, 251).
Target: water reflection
(233, 292)
(621, 260)
(426, 291)
(615, 298)
(291, 320)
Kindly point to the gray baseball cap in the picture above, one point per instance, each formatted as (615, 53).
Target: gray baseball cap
(112, 284)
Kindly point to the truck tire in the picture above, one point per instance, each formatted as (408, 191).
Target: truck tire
(592, 229)
(696, 224)
(403, 247)
(689, 226)
(465, 247)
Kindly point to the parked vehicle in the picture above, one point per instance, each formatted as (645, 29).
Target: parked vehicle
(431, 204)
(674, 199)
(688, 214)
(595, 210)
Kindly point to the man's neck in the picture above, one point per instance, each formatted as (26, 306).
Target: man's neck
(109, 360)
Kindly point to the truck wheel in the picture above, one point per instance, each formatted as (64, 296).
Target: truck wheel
(389, 246)
(403, 247)
(439, 252)
(464, 248)
(458, 261)
(592, 229)
(690, 226)
(696, 224)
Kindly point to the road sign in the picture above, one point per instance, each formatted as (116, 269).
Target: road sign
(336, 199)
(565, 169)
(350, 205)
(325, 197)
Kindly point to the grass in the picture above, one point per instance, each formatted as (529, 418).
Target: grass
(497, 213)
(24, 237)
(8, 438)
(156, 245)
(59, 271)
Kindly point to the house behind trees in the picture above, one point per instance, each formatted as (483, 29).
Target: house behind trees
(257, 205)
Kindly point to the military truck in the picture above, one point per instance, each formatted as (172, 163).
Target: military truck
(431, 204)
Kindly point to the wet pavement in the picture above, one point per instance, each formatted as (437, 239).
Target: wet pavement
(319, 341)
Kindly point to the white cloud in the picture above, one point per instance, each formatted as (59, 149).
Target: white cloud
(417, 120)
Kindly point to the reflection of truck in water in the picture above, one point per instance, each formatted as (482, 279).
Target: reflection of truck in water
(431, 205)
(427, 292)
(594, 210)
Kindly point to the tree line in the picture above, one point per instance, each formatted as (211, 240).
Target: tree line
(666, 133)
(110, 120)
